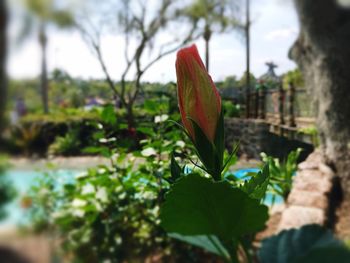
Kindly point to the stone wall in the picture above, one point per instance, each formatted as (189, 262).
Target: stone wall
(254, 137)
(251, 135)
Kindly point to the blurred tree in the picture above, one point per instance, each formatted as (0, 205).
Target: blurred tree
(41, 14)
(295, 77)
(243, 80)
(230, 82)
(3, 52)
(141, 24)
(215, 15)
(322, 52)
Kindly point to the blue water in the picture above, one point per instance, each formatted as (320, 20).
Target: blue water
(22, 181)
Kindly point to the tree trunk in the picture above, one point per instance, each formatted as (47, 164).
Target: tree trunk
(3, 51)
(206, 36)
(44, 81)
(323, 53)
(247, 35)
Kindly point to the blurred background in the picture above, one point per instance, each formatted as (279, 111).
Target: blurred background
(86, 89)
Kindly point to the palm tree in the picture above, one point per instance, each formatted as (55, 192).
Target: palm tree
(3, 48)
(40, 14)
(216, 16)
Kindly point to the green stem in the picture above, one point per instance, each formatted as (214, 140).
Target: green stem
(231, 247)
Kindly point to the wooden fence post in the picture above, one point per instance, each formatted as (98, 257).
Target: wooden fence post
(281, 102)
(256, 104)
(262, 98)
(291, 105)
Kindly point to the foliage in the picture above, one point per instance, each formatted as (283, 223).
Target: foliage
(311, 131)
(7, 191)
(111, 212)
(69, 144)
(26, 137)
(281, 173)
(231, 110)
(294, 77)
(309, 244)
(243, 80)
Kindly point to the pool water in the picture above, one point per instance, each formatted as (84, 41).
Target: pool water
(22, 181)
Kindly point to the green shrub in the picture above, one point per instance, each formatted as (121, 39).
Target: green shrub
(231, 110)
(66, 145)
(281, 173)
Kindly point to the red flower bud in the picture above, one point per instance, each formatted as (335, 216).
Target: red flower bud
(199, 100)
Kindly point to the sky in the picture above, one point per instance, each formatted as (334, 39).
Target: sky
(274, 30)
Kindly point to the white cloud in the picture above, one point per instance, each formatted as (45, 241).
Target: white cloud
(281, 33)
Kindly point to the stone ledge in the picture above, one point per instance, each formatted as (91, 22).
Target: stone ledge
(308, 199)
(297, 216)
(312, 181)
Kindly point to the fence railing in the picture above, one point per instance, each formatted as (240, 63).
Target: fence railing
(292, 107)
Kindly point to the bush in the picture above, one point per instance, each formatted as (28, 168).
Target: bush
(231, 110)
(66, 145)
(281, 173)
(111, 213)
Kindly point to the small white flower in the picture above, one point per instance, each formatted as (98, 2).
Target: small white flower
(101, 170)
(103, 140)
(118, 240)
(102, 194)
(88, 189)
(181, 144)
(161, 118)
(81, 175)
(98, 206)
(58, 214)
(78, 212)
(100, 126)
(78, 202)
(122, 196)
(148, 152)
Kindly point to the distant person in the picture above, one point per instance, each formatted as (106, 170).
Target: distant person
(21, 107)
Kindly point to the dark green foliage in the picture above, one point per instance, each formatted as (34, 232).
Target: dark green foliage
(66, 145)
(7, 191)
(231, 110)
(309, 244)
(281, 173)
(256, 186)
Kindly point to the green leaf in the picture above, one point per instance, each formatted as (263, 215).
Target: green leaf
(331, 254)
(175, 169)
(257, 185)
(311, 244)
(204, 147)
(146, 130)
(198, 206)
(108, 115)
(209, 243)
(219, 140)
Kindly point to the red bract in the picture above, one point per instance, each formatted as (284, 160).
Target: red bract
(198, 97)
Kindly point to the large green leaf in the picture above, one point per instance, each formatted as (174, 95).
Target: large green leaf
(209, 243)
(309, 244)
(199, 206)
